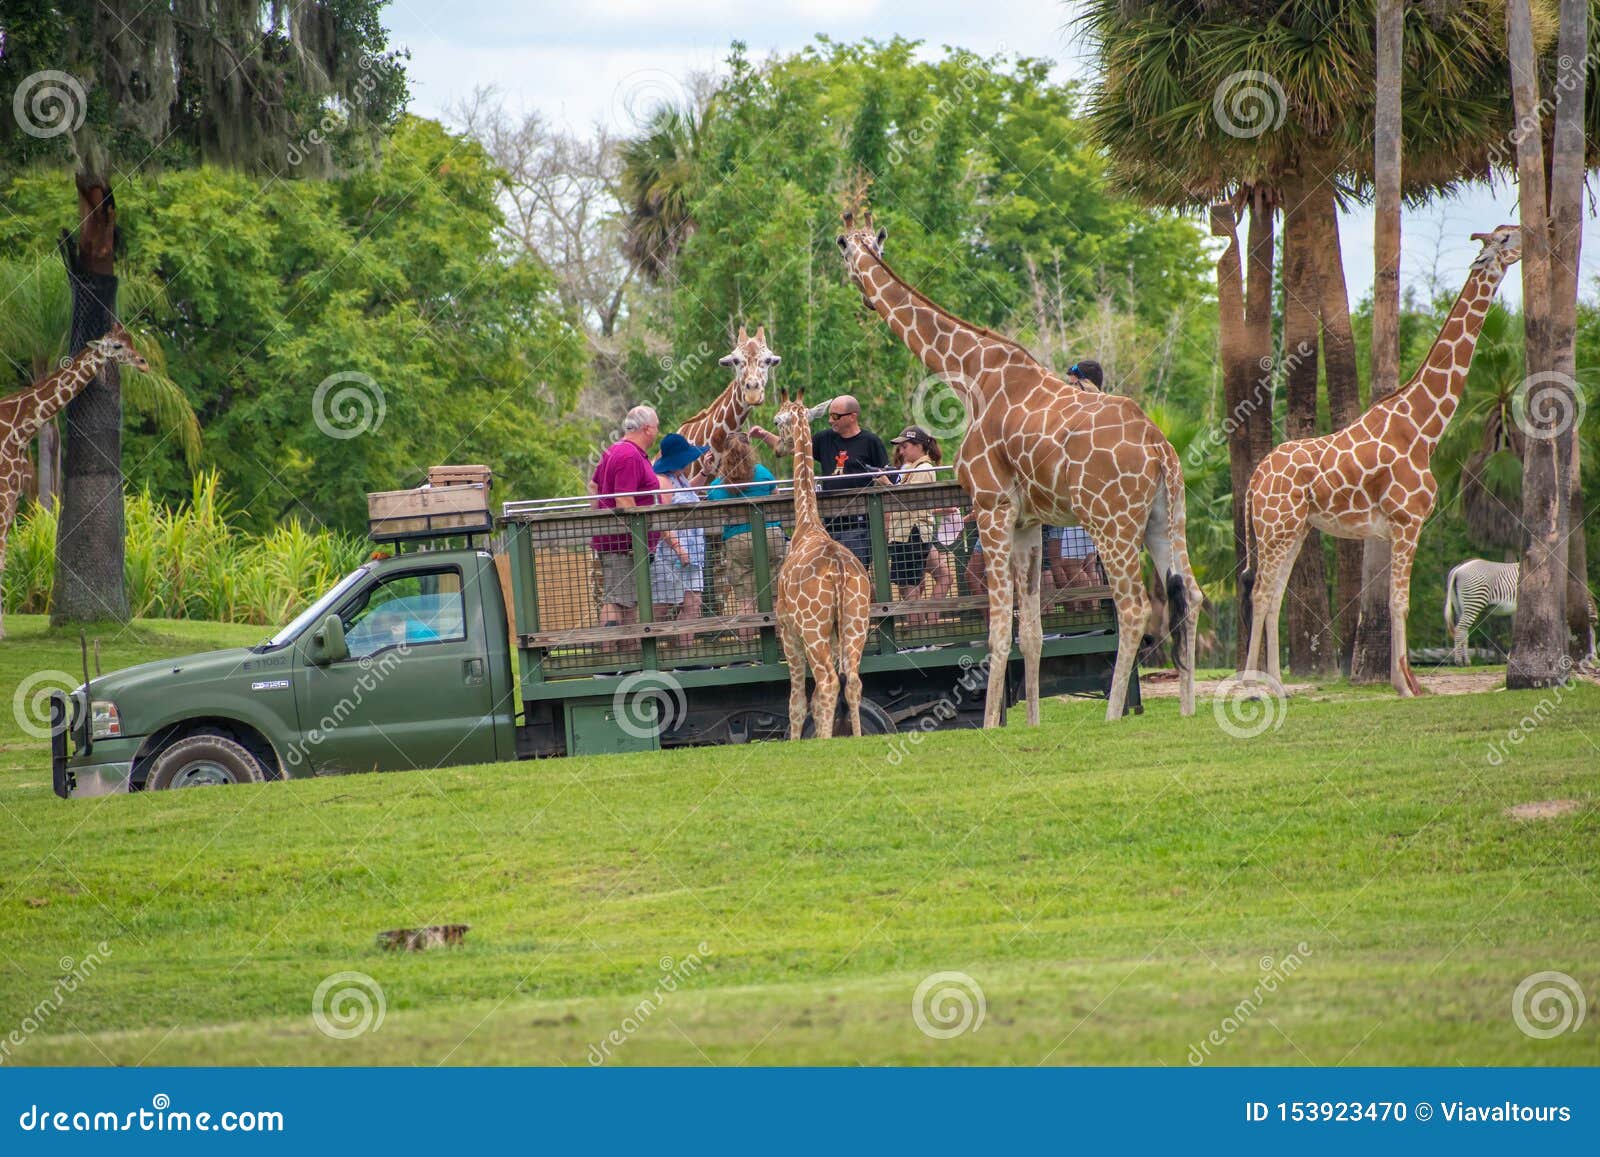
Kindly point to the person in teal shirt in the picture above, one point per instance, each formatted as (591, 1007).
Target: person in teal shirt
(744, 477)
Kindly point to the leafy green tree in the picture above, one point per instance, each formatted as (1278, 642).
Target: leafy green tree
(125, 85)
(387, 284)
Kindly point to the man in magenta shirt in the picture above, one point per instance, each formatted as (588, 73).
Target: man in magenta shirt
(624, 472)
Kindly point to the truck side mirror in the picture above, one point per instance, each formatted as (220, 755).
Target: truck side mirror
(327, 642)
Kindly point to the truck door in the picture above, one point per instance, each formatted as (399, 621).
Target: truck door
(415, 691)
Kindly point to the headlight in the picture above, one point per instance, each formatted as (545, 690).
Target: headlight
(105, 723)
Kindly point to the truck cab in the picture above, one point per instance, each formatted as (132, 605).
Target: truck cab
(404, 663)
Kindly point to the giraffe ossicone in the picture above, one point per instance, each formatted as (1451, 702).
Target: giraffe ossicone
(1371, 479)
(1040, 450)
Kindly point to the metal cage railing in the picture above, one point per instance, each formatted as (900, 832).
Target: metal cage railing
(605, 590)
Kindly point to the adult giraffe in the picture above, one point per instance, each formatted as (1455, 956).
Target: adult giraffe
(1371, 479)
(23, 413)
(751, 362)
(1038, 450)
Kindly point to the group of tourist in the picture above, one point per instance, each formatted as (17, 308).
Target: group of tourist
(848, 456)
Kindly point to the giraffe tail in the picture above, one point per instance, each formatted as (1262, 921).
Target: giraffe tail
(1181, 573)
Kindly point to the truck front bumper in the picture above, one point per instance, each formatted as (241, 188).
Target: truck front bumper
(106, 769)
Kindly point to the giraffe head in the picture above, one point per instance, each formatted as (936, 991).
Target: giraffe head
(1502, 248)
(117, 346)
(793, 425)
(751, 361)
(857, 241)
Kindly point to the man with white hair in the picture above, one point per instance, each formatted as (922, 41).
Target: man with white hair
(624, 479)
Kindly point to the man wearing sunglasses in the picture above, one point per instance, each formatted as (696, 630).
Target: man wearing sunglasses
(846, 456)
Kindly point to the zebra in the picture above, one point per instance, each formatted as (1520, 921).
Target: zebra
(1478, 587)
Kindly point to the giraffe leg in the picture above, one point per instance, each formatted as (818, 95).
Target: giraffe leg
(794, 653)
(825, 699)
(1026, 556)
(1403, 552)
(1119, 554)
(1278, 565)
(994, 532)
(853, 627)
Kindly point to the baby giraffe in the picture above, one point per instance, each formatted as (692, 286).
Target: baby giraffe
(822, 597)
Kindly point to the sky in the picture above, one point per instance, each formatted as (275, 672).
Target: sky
(610, 61)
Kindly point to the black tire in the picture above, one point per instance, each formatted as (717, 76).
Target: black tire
(203, 761)
(874, 721)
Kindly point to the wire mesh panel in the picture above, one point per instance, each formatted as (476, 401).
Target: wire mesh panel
(691, 583)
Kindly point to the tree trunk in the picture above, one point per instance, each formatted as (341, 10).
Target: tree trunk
(1369, 661)
(1237, 374)
(1258, 318)
(47, 475)
(89, 542)
(1311, 649)
(1344, 399)
(1538, 638)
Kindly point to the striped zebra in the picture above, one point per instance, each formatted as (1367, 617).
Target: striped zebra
(1478, 587)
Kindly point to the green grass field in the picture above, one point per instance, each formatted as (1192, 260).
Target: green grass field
(1118, 893)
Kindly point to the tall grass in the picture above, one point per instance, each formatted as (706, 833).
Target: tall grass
(189, 562)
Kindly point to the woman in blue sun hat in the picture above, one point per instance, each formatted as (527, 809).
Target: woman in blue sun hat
(678, 576)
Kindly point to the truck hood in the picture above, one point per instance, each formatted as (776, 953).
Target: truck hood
(149, 690)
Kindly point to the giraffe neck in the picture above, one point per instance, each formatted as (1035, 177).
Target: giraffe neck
(805, 480)
(723, 416)
(1434, 391)
(41, 402)
(941, 341)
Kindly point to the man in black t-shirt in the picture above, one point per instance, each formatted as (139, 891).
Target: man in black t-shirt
(846, 456)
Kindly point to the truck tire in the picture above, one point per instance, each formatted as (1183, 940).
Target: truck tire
(874, 721)
(204, 761)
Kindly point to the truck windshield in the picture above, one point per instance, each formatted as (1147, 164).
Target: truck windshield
(315, 611)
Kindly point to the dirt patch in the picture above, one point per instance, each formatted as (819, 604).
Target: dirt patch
(1164, 685)
(1463, 682)
(1545, 809)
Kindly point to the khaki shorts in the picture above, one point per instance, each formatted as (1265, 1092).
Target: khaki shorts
(618, 585)
(740, 560)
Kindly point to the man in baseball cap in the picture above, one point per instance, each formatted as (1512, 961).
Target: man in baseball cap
(1087, 375)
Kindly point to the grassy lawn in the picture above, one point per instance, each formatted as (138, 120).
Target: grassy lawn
(1116, 892)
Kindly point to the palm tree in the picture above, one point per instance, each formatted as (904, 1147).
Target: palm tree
(1200, 101)
(658, 177)
(34, 328)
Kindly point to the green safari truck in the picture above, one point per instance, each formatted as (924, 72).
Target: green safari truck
(482, 640)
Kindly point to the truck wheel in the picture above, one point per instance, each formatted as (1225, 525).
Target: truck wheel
(205, 761)
(874, 721)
